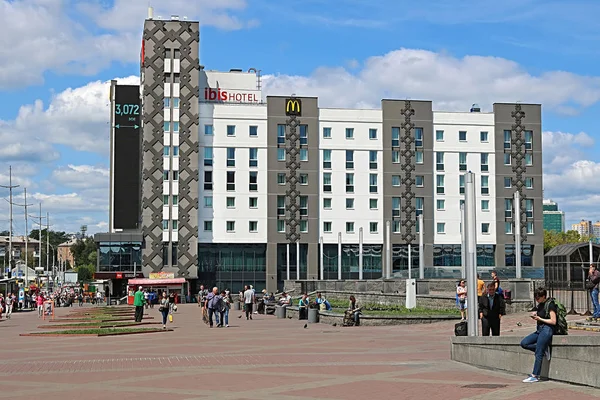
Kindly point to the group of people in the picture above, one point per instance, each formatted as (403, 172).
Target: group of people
(490, 303)
(217, 304)
(166, 305)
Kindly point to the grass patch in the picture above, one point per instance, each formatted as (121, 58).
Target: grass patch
(84, 324)
(98, 331)
(390, 310)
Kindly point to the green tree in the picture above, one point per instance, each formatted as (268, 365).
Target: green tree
(85, 273)
(553, 239)
(82, 249)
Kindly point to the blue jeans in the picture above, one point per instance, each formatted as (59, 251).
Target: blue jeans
(538, 342)
(594, 294)
(165, 314)
(225, 316)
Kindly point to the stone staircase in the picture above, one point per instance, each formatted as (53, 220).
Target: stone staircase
(589, 324)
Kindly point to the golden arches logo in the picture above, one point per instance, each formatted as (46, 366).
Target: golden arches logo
(293, 107)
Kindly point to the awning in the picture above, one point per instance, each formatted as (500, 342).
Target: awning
(156, 282)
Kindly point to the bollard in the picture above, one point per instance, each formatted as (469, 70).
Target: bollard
(280, 312)
(237, 306)
(313, 315)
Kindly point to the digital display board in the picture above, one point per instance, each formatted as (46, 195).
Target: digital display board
(127, 162)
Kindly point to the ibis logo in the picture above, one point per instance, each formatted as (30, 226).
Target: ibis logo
(293, 107)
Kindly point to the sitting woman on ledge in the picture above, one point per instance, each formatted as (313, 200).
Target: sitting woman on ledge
(353, 312)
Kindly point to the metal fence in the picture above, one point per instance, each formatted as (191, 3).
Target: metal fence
(576, 299)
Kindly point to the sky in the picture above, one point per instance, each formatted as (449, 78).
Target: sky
(58, 56)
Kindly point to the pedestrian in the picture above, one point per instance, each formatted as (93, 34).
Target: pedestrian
(491, 309)
(593, 284)
(138, 302)
(212, 304)
(164, 308)
(9, 302)
(249, 300)
(225, 306)
(39, 300)
(539, 341)
(461, 292)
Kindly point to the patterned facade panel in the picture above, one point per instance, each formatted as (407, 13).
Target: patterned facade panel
(292, 164)
(519, 169)
(407, 156)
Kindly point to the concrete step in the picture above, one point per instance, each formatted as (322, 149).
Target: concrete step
(585, 326)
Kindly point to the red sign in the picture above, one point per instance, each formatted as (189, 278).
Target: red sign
(119, 275)
(219, 94)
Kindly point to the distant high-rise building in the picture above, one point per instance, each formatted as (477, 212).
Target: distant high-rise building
(554, 219)
(584, 228)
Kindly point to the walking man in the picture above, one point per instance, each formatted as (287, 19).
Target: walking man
(249, 300)
(138, 302)
(491, 310)
(213, 303)
(9, 302)
(594, 278)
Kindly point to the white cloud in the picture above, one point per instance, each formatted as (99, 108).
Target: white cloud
(81, 177)
(562, 149)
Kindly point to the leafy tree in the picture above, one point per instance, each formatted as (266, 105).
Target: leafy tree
(82, 250)
(4, 233)
(553, 239)
(85, 273)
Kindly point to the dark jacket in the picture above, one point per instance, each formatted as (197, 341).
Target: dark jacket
(499, 307)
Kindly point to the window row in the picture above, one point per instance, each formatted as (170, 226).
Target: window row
(349, 133)
(231, 151)
(350, 227)
(486, 228)
(173, 223)
(327, 183)
(230, 181)
(350, 159)
(230, 226)
(168, 150)
(302, 130)
(509, 208)
(230, 202)
(209, 130)
(171, 101)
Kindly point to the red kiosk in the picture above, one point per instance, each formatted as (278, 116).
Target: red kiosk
(159, 282)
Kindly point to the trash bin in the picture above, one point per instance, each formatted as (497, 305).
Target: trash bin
(313, 315)
(280, 312)
(237, 306)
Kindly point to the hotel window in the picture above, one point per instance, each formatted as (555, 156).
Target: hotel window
(372, 183)
(253, 186)
(461, 184)
(303, 226)
(507, 182)
(462, 136)
(349, 183)
(396, 226)
(507, 159)
(349, 227)
(165, 224)
(253, 202)
(528, 183)
(462, 161)
(303, 135)
(528, 159)
(485, 205)
(440, 184)
(280, 134)
(208, 156)
(175, 102)
(167, 126)
(253, 226)
(349, 133)
(230, 181)
(528, 140)
(281, 225)
(175, 126)
(508, 228)
(230, 130)
(508, 208)
(326, 133)
(327, 182)
(507, 139)
(483, 137)
(485, 162)
(418, 137)
(395, 157)
(230, 202)
(176, 78)
(231, 157)
(372, 133)
(528, 208)
(349, 204)
(441, 205)
(373, 227)
(349, 159)
(230, 226)
(327, 227)
(419, 181)
(373, 204)
(485, 185)
(327, 159)
(175, 175)
(253, 157)
(175, 224)
(280, 154)
(372, 159)
(530, 228)
(208, 130)
(303, 154)
(418, 157)
(175, 151)
(441, 227)
(396, 180)
(303, 206)
(208, 226)
(208, 180)
(395, 137)
(253, 130)
(439, 136)
(485, 228)
(165, 199)
(395, 206)
(167, 102)
(166, 151)
(175, 200)
(327, 203)
(303, 180)
(280, 206)
(419, 205)
(176, 53)
(281, 178)
(439, 161)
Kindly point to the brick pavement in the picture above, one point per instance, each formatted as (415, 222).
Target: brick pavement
(263, 358)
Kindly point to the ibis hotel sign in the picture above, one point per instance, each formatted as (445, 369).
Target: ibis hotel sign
(219, 95)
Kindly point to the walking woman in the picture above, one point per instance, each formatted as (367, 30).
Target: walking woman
(226, 305)
(164, 309)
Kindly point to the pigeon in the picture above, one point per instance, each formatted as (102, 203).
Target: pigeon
(305, 326)
(334, 324)
(519, 324)
(240, 316)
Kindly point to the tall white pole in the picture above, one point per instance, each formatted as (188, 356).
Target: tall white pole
(298, 260)
(421, 249)
(26, 241)
(360, 253)
(10, 206)
(409, 262)
(470, 229)
(463, 243)
(339, 256)
(322, 270)
(517, 222)
(48, 248)
(287, 255)
(591, 250)
(40, 246)
(388, 250)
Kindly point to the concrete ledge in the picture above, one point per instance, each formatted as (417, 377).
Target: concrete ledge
(575, 359)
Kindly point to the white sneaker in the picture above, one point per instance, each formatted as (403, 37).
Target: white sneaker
(531, 379)
(226, 326)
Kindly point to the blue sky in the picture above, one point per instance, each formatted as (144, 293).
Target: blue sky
(57, 55)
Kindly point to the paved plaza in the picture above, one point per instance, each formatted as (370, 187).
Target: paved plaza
(265, 358)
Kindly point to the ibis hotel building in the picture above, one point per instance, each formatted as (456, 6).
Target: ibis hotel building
(239, 188)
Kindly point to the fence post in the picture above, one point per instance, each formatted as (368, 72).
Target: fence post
(572, 310)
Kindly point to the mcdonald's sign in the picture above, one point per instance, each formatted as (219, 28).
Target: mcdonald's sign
(293, 107)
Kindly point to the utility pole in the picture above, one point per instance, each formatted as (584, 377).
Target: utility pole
(26, 235)
(10, 187)
(48, 248)
(39, 222)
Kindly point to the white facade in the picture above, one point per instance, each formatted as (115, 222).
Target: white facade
(448, 141)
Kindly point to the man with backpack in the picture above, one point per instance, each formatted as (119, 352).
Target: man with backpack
(550, 316)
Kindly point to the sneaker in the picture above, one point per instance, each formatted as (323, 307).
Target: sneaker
(226, 326)
(251, 317)
(547, 353)
(531, 379)
(164, 327)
